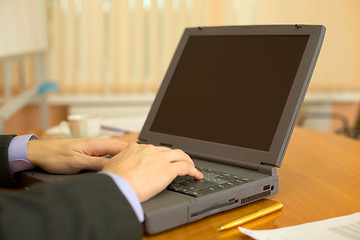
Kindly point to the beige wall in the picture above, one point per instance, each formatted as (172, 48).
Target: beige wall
(22, 26)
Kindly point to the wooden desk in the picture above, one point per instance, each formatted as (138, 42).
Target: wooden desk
(319, 179)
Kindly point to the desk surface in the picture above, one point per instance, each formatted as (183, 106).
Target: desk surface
(319, 179)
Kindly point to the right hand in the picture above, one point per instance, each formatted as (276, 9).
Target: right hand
(149, 169)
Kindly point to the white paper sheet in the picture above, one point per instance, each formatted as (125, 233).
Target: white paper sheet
(346, 227)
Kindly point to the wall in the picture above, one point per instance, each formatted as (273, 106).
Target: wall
(337, 68)
(22, 26)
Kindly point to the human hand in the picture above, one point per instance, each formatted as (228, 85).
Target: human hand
(67, 156)
(149, 169)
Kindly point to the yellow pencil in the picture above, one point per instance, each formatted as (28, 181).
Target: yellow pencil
(252, 216)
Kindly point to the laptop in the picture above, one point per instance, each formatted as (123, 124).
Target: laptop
(230, 99)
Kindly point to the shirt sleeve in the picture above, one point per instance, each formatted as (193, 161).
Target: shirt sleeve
(17, 153)
(129, 194)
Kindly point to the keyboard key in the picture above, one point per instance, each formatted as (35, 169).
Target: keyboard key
(213, 181)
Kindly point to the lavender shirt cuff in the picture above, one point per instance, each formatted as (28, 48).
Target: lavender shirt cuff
(17, 153)
(129, 193)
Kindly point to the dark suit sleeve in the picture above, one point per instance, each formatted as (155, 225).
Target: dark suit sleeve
(6, 178)
(86, 207)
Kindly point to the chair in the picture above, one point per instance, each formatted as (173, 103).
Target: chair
(346, 129)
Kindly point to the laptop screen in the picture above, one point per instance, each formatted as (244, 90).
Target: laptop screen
(231, 89)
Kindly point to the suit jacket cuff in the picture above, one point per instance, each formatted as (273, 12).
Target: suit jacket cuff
(6, 178)
(129, 194)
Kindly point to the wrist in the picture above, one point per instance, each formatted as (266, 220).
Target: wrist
(33, 152)
(17, 153)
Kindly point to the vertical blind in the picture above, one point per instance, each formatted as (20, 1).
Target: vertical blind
(112, 47)
(125, 46)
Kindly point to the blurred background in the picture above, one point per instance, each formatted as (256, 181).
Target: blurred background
(109, 56)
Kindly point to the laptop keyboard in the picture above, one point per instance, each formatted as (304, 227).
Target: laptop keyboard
(213, 181)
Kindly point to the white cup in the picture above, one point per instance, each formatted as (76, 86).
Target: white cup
(81, 125)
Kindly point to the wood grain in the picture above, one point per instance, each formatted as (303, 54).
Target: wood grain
(319, 179)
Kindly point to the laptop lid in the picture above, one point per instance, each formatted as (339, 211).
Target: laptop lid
(232, 94)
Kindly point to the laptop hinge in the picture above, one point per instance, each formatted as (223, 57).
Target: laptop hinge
(228, 161)
(266, 169)
(142, 141)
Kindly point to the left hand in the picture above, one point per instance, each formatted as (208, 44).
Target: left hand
(68, 156)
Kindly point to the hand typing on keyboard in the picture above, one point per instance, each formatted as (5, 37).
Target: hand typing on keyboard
(213, 181)
(137, 164)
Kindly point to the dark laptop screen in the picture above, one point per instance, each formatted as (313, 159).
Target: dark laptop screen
(231, 89)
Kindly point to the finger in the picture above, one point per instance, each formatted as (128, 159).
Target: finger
(100, 147)
(94, 163)
(153, 147)
(164, 153)
(178, 155)
(184, 168)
